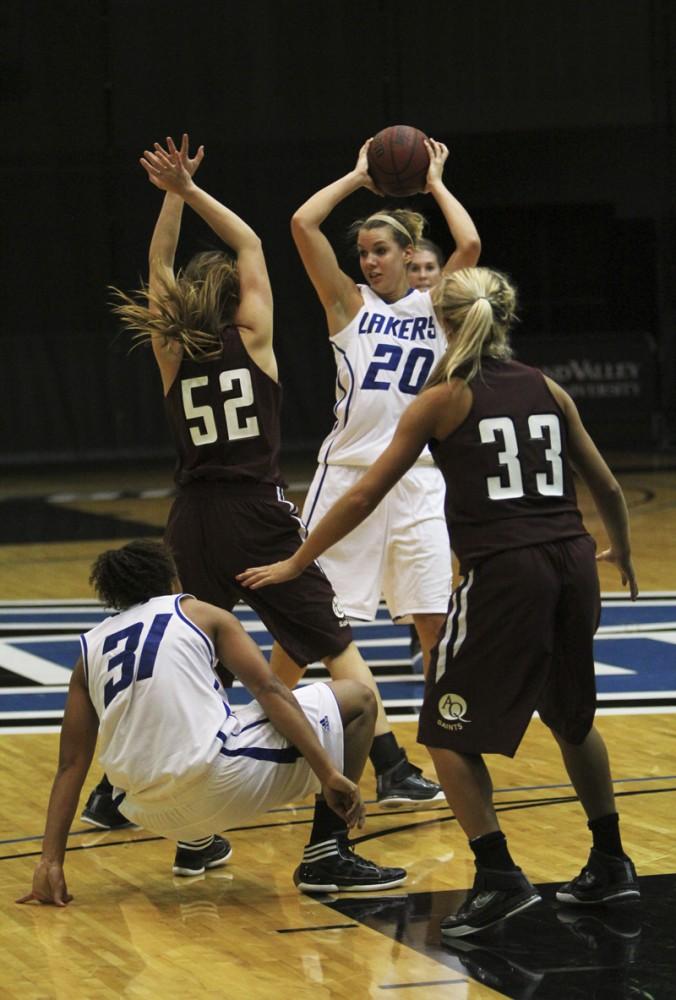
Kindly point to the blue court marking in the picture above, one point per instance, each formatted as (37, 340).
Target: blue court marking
(651, 664)
(55, 617)
(61, 650)
(33, 701)
(612, 615)
(649, 659)
(637, 661)
(637, 614)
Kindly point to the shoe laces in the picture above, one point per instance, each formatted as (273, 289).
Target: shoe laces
(345, 846)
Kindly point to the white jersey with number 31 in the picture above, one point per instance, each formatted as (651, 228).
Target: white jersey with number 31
(163, 715)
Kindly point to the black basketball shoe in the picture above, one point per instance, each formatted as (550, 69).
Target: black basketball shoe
(495, 896)
(602, 880)
(405, 784)
(333, 866)
(101, 811)
(194, 859)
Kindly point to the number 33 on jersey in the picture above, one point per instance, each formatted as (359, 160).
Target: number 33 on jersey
(521, 490)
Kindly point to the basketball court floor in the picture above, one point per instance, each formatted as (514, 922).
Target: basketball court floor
(243, 931)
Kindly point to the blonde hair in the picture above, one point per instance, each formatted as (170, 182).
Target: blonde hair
(477, 308)
(407, 226)
(191, 309)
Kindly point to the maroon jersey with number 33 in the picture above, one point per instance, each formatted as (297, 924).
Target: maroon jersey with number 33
(508, 480)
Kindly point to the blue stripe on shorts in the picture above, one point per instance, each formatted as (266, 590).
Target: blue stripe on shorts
(287, 755)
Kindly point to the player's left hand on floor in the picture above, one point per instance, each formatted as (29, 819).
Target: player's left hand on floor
(49, 886)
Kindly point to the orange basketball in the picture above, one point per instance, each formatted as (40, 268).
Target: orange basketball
(398, 160)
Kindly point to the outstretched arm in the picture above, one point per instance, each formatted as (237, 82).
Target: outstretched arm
(462, 229)
(78, 740)
(604, 488)
(336, 290)
(415, 428)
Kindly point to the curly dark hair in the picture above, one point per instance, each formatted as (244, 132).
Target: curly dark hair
(135, 573)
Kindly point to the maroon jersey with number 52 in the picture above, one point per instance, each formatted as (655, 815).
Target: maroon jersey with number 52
(508, 479)
(224, 416)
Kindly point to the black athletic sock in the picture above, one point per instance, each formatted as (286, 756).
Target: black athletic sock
(326, 823)
(491, 851)
(605, 831)
(385, 752)
(104, 787)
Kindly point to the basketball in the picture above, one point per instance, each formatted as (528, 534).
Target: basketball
(398, 160)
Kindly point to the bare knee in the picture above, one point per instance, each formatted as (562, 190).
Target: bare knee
(370, 702)
(363, 698)
(355, 700)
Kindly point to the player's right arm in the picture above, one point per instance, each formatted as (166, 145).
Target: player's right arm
(337, 292)
(605, 490)
(236, 650)
(162, 250)
(171, 170)
(434, 413)
(78, 740)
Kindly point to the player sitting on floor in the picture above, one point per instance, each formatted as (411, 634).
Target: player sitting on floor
(183, 762)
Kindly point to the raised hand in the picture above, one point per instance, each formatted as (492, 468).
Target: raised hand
(191, 164)
(171, 169)
(49, 885)
(438, 154)
(362, 169)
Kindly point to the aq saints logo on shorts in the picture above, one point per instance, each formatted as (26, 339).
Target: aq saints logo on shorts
(452, 709)
(338, 612)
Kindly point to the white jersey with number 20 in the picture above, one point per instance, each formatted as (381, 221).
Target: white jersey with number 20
(383, 358)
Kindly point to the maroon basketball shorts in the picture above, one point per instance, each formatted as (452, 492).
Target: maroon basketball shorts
(518, 638)
(216, 530)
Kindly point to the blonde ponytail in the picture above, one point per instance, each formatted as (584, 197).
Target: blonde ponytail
(477, 308)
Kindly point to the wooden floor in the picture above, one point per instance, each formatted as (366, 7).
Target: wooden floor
(244, 931)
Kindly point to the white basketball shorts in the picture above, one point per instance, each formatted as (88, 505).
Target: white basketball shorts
(401, 551)
(256, 770)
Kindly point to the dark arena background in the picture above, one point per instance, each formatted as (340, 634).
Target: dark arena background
(560, 119)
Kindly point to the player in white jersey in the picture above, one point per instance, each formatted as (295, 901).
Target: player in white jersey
(184, 763)
(385, 342)
(383, 357)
